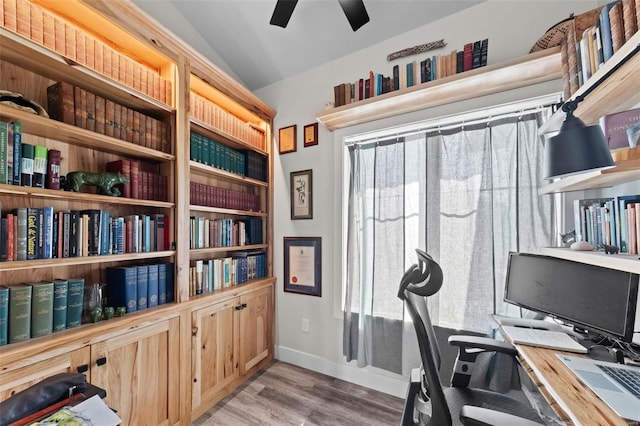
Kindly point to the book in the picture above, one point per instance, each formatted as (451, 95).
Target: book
(93, 228)
(28, 152)
(39, 166)
(19, 313)
(32, 233)
(17, 153)
(75, 302)
(122, 287)
(122, 166)
(629, 18)
(47, 228)
(41, 309)
(153, 286)
(484, 52)
(614, 126)
(61, 103)
(60, 292)
(4, 153)
(21, 233)
(476, 55)
(605, 28)
(169, 273)
(4, 239)
(142, 283)
(617, 26)
(621, 215)
(53, 169)
(4, 315)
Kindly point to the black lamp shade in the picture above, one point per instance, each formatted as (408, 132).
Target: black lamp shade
(576, 148)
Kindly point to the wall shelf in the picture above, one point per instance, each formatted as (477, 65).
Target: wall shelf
(531, 69)
(623, 262)
(623, 172)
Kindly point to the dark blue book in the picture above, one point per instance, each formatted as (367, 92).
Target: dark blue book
(75, 299)
(4, 315)
(122, 287)
(17, 153)
(47, 249)
(74, 233)
(143, 282)
(94, 231)
(60, 293)
(162, 283)
(105, 232)
(152, 286)
(170, 284)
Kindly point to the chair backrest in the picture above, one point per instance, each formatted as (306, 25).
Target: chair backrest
(419, 282)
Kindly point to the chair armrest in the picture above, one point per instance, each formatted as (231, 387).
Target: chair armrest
(485, 343)
(477, 416)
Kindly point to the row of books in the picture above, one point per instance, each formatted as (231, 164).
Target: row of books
(209, 275)
(209, 113)
(78, 107)
(225, 198)
(81, 47)
(140, 287)
(30, 233)
(587, 45)
(610, 220)
(206, 233)
(473, 55)
(213, 153)
(38, 309)
(143, 185)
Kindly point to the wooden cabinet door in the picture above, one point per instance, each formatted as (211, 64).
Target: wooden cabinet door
(255, 328)
(15, 380)
(214, 345)
(140, 373)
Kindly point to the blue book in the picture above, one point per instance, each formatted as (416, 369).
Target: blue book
(409, 74)
(162, 283)
(170, 284)
(152, 286)
(605, 31)
(75, 299)
(122, 287)
(210, 275)
(60, 292)
(47, 249)
(146, 233)
(105, 232)
(17, 153)
(143, 282)
(4, 315)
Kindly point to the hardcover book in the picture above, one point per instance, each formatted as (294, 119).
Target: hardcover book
(41, 309)
(4, 153)
(75, 300)
(61, 102)
(32, 233)
(17, 153)
(4, 315)
(28, 152)
(143, 282)
(39, 166)
(122, 287)
(53, 169)
(615, 128)
(60, 292)
(19, 312)
(122, 166)
(153, 286)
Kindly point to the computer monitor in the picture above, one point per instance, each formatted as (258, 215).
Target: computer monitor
(592, 298)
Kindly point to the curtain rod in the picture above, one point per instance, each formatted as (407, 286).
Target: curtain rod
(483, 115)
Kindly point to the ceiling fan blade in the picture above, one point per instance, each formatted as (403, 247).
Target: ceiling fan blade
(282, 12)
(355, 12)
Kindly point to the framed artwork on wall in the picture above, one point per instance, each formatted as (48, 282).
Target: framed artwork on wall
(287, 139)
(303, 265)
(311, 134)
(301, 183)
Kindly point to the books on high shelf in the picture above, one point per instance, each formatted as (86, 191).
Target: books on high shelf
(615, 128)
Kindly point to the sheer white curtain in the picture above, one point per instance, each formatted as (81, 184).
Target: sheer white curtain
(467, 195)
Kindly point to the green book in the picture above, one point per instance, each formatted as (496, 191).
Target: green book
(75, 298)
(42, 309)
(4, 314)
(60, 292)
(4, 152)
(39, 166)
(19, 312)
(28, 151)
(21, 237)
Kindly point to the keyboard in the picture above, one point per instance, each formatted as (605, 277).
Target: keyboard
(627, 378)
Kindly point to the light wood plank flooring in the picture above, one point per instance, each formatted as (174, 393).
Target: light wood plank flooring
(284, 394)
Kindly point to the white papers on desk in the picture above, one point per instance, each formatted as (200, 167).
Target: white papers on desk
(543, 338)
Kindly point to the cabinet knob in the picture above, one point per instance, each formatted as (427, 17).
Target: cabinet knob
(244, 305)
(101, 361)
(238, 308)
(82, 368)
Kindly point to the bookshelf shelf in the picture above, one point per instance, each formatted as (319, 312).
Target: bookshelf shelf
(81, 197)
(616, 94)
(227, 249)
(85, 260)
(531, 69)
(206, 209)
(623, 172)
(204, 129)
(38, 59)
(48, 128)
(222, 174)
(623, 262)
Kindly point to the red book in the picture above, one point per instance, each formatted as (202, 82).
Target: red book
(122, 166)
(615, 128)
(371, 84)
(135, 180)
(60, 102)
(10, 250)
(53, 169)
(468, 56)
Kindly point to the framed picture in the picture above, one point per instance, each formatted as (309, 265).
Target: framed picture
(311, 134)
(287, 139)
(303, 265)
(301, 183)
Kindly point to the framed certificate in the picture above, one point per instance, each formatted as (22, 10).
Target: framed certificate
(287, 139)
(302, 265)
(301, 183)
(311, 134)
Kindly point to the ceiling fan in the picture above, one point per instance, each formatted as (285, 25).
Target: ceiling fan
(353, 9)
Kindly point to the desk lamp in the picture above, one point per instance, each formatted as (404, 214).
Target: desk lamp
(577, 147)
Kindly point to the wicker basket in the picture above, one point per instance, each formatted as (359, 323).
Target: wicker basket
(556, 33)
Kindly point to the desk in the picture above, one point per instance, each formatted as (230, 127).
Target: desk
(572, 400)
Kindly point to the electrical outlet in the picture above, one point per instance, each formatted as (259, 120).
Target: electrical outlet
(305, 325)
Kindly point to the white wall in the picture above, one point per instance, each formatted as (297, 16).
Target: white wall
(512, 27)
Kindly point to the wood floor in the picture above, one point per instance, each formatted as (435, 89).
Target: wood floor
(284, 394)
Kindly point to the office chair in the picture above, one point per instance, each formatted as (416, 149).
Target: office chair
(430, 403)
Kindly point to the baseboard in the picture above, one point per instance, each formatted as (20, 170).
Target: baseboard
(360, 376)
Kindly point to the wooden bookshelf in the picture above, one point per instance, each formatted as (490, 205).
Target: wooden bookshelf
(623, 262)
(623, 172)
(534, 68)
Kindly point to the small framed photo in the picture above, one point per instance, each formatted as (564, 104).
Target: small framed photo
(287, 139)
(303, 265)
(311, 134)
(301, 183)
